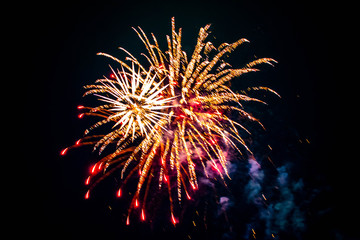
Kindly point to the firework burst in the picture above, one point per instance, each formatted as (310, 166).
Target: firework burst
(134, 103)
(169, 118)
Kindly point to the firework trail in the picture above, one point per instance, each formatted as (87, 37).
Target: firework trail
(169, 118)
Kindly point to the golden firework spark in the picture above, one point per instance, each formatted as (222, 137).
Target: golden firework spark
(177, 112)
(135, 103)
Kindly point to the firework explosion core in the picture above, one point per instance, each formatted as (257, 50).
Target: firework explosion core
(170, 119)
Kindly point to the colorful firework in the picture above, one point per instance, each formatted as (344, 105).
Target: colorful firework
(169, 118)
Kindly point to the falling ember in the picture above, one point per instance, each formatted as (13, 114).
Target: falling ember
(118, 194)
(187, 195)
(87, 195)
(174, 221)
(127, 220)
(100, 165)
(80, 107)
(63, 152)
(81, 115)
(264, 197)
(136, 203)
(87, 180)
(93, 169)
(78, 142)
(142, 215)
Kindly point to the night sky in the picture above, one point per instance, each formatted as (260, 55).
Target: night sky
(62, 40)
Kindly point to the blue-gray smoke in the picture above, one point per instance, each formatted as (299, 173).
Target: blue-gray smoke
(253, 188)
(280, 213)
(286, 212)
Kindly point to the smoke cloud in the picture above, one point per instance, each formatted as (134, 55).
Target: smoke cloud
(284, 214)
(280, 211)
(253, 188)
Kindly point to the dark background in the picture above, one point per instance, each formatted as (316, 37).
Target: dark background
(62, 40)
